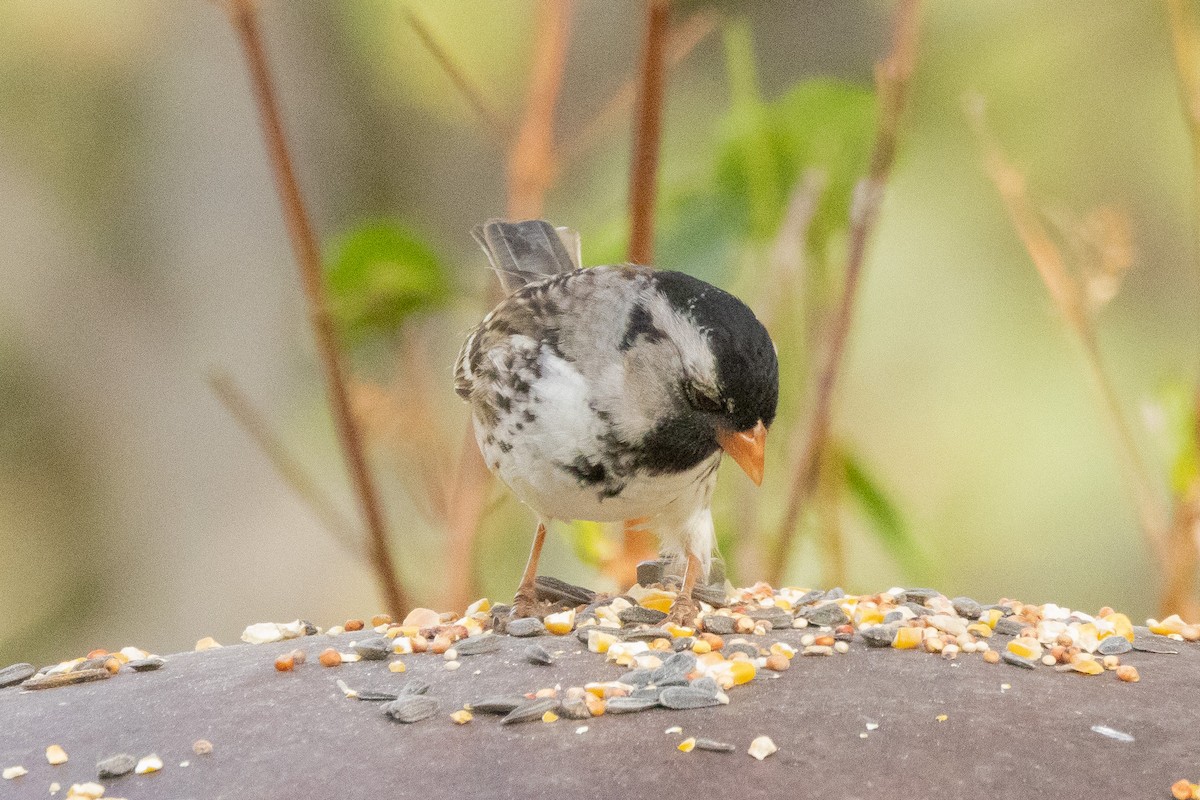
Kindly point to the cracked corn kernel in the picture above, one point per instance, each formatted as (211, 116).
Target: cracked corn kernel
(907, 638)
(1025, 647)
(148, 764)
(397, 666)
(1111, 662)
(777, 662)
(1128, 673)
(980, 629)
(55, 755)
(679, 631)
(14, 772)
(549, 716)
(1172, 624)
(700, 647)
(742, 671)
(687, 745)
(1087, 666)
(942, 717)
(599, 641)
(762, 747)
(561, 623)
(461, 717)
(207, 643)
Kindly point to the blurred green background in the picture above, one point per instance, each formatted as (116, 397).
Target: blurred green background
(141, 246)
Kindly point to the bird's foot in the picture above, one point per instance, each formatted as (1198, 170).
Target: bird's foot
(684, 611)
(525, 604)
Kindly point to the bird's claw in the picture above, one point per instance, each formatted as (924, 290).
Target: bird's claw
(684, 612)
(525, 604)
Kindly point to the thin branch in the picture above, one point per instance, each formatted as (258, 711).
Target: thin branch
(531, 171)
(244, 17)
(643, 181)
(682, 40)
(1070, 300)
(892, 78)
(467, 86)
(256, 426)
(531, 162)
(1183, 41)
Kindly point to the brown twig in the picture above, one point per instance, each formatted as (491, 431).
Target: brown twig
(643, 180)
(892, 78)
(531, 161)
(1183, 41)
(244, 17)
(1071, 301)
(531, 171)
(466, 85)
(682, 40)
(256, 425)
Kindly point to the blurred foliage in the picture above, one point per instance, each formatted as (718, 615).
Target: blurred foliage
(1172, 419)
(379, 273)
(873, 501)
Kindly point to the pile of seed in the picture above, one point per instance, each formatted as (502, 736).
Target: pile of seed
(97, 665)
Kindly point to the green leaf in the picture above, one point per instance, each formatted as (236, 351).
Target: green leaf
(588, 541)
(380, 273)
(821, 124)
(886, 520)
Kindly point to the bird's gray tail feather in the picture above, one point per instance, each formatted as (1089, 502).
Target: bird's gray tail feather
(524, 252)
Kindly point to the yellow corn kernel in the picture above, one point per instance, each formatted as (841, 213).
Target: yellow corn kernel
(1172, 624)
(687, 745)
(659, 601)
(782, 649)
(461, 717)
(561, 623)
(908, 638)
(742, 671)
(480, 605)
(679, 631)
(980, 629)
(1121, 625)
(1025, 647)
(784, 604)
(549, 716)
(397, 666)
(700, 647)
(991, 617)
(869, 615)
(1087, 666)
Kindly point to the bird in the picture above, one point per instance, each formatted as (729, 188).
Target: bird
(612, 392)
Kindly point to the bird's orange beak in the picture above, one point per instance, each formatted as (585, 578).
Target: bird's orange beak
(747, 448)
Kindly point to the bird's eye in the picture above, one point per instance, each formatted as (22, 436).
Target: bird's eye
(701, 400)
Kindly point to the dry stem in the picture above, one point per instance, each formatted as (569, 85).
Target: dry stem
(1070, 300)
(892, 77)
(466, 85)
(256, 425)
(244, 17)
(643, 181)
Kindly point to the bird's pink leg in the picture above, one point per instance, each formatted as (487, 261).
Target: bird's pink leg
(684, 610)
(525, 602)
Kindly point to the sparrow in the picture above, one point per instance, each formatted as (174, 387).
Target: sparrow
(611, 393)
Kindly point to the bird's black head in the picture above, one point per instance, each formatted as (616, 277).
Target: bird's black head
(747, 379)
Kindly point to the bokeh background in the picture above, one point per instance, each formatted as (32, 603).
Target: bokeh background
(142, 247)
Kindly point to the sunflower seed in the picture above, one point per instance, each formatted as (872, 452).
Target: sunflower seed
(16, 673)
(556, 591)
(966, 607)
(826, 614)
(714, 746)
(1114, 646)
(685, 697)
(480, 643)
(643, 634)
(415, 686)
(629, 705)
(146, 664)
(376, 648)
(116, 766)
(637, 615)
(530, 710)
(719, 624)
(411, 708)
(525, 626)
(65, 679)
(497, 705)
(675, 668)
(1017, 661)
(536, 654)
